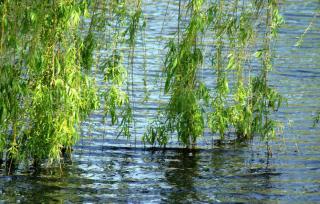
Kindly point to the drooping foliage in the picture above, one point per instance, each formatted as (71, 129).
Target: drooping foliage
(183, 113)
(115, 24)
(300, 42)
(52, 53)
(45, 88)
(48, 66)
(242, 105)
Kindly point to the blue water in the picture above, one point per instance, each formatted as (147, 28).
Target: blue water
(108, 170)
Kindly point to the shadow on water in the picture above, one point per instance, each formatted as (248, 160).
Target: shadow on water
(129, 175)
(135, 176)
(180, 171)
(232, 175)
(42, 186)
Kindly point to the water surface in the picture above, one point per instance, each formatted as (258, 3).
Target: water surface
(106, 170)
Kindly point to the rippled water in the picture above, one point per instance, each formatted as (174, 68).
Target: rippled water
(106, 170)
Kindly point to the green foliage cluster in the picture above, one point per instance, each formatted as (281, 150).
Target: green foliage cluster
(45, 92)
(124, 21)
(51, 51)
(49, 54)
(242, 105)
(183, 113)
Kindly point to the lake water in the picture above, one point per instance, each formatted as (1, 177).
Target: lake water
(106, 170)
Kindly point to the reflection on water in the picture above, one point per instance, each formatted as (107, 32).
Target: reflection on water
(180, 173)
(111, 171)
(140, 176)
(122, 175)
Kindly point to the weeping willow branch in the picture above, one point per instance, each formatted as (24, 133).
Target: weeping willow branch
(243, 105)
(44, 91)
(50, 51)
